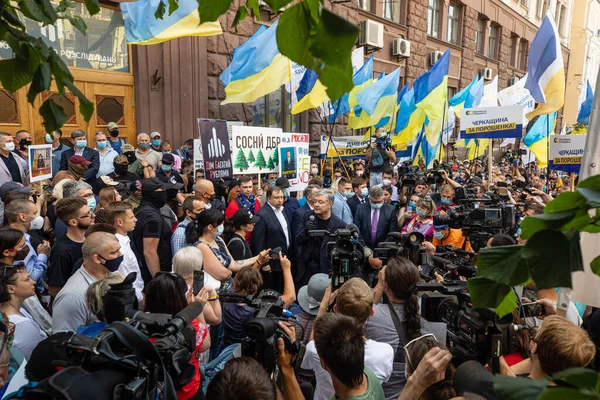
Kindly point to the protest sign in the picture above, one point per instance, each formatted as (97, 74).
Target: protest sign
(295, 160)
(198, 159)
(566, 152)
(215, 148)
(255, 149)
(344, 146)
(491, 122)
(40, 162)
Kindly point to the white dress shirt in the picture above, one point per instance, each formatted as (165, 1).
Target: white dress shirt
(106, 162)
(130, 264)
(284, 225)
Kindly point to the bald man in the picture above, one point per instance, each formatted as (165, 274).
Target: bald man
(101, 256)
(205, 190)
(145, 153)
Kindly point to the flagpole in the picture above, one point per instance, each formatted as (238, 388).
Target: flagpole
(490, 155)
(442, 133)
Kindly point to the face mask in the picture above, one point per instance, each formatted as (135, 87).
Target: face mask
(144, 145)
(102, 145)
(271, 183)
(37, 223)
(286, 193)
(383, 134)
(387, 182)
(155, 142)
(130, 157)
(114, 133)
(412, 204)
(92, 203)
(220, 230)
(10, 146)
(476, 205)
(438, 234)
(364, 192)
(421, 213)
(112, 265)
(360, 173)
(120, 169)
(508, 181)
(81, 143)
(211, 197)
(158, 199)
(376, 206)
(187, 150)
(23, 143)
(445, 201)
(166, 168)
(49, 138)
(314, 171)
(22, 254)
(348, 194)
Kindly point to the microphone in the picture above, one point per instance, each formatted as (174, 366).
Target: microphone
(184, 317)
(353, 229)
(311, 218)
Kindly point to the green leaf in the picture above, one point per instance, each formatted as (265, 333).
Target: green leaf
(14, 74)
(240, 15)
(503, 264)
(536, 223)
(548, 257)
(581, 377)
(592, 228)
(593, 182)
(86, 107)
(53, 114)
(160, 10)
(40, 82)
(507, 305)
(293, 35)
(562, 393)
(578, 223)
(173, 6)
(49, 10)
(92, 6)
(211, 10)
(485, 293)
(10, 16)
(33, 11)
(595, 265)
(566, 201)
(59, 70)
(591, 195)
(510, 388)
(275, 5)
(254, 8)
(77, 22)
(576, 258)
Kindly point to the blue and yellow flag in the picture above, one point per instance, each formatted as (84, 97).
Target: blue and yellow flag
(142, 27)
(475, 94)
(257, 68)
(431, 88)
(362, 78)
(586, 107)
(376, 101)
(310, 94)
(546, 71)
(458, 100)
(409, 120)
(537, 137)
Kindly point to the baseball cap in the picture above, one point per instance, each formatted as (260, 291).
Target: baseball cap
(108, 181)
(243, 217)
(121, 159)
(476, 180)
(152, 184)
(79, 160)
(112, 126)
(12, 187)
(282, 182)
(155, 134)
(168, 158)
(310, 296)
(127, 148)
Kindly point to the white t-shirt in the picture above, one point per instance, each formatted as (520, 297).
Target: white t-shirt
(379, 357)
(27, 333)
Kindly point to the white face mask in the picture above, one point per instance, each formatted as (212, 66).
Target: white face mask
(314, 171)
(37, 223)
(387, 182)
(10, 146)
(360, 173)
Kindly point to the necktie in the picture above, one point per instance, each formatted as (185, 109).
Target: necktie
(374, 220)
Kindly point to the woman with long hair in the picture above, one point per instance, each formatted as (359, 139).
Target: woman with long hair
(422, 221)
(107, 195)
(399, 321)
(168, 293)
(15, 287)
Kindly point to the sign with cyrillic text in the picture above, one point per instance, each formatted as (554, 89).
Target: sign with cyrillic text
(491, 122)
(566, 152)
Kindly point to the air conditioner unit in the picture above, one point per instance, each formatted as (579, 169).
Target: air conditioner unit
(401, 47)
(371, 34)
(487, 73)
(513, 80)
(434, 56)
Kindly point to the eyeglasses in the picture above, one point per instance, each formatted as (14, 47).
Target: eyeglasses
(406, 351)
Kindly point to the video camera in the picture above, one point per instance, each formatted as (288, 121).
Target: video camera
(407, 245)
(411, 175)
(473, 334)
(345, 256)
(452, 263)
(144, 356)
(262, 331)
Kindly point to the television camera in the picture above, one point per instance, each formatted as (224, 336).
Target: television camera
(452, 263)
(406, 245)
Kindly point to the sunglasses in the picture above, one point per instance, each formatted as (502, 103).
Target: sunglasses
(407, 352)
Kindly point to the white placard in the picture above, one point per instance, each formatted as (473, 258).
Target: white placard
(296, 168)
(254, 150)
(491, 122)
(566, 152)
(40, 162)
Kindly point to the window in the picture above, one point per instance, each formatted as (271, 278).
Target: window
(561, 19)
(493, 31)
(544, 5)
(278, 114)
(453, 23)
(480, 36)
(514, 50)
(392, 10)
(524, 3)
(433, 18)
(365, 4)
(522, 56)
(451, 92)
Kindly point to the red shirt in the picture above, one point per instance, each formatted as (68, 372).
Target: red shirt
(233, 207)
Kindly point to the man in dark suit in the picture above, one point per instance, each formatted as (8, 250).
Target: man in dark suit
(375, 221)
(298, 214)
(289, 165)
(290, 204)
(313, 250)
(81, 149)
(359, 185)
(273, 230)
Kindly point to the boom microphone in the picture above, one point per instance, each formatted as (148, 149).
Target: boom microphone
(353, 229)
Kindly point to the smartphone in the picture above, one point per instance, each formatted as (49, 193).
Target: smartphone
(198, 281)
(528, 310)
(274, 253)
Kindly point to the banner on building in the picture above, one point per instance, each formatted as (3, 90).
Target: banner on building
(295, 160)
(40, 162)
(344, 146)
(198, 159)
(491, 122)
(215, 149)
(255, 150)
(566, 152)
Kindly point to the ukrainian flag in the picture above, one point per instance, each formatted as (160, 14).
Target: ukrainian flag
(409, 120)
(586, 107)
(475, 94)
(377, 101)
(537, 137)
(424, 149)
(362, 78)
(310, 94)
(257, 68)
(431, 88)
(546, 72)
(142, 27)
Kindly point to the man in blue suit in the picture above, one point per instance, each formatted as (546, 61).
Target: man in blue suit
(313, 258)
(340, 208)
(359, 186)
(81, 149)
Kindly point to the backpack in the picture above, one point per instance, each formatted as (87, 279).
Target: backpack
(377, 159)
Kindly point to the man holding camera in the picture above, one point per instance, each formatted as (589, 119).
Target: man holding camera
(379, 155)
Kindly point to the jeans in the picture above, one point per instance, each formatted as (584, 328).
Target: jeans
(376, 178)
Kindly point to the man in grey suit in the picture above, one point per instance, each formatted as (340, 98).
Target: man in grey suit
(12, 167)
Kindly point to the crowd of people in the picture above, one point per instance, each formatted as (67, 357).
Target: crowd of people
(116, 209)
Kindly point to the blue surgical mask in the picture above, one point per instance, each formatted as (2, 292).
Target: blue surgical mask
(143, 145)
(92, 203)
(155, 142)
(272, 183)
(81, 143)
(49, 138)
(438, 234)
(364, 192)
(445, 201)
(383, 134)
(376, 206)
(286, 193)
(421, 213)
(166, 167)
(348, 194)
(187, 149)
(102, 145)
(220, 230)
(412, 204)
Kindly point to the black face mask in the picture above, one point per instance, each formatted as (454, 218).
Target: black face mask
(120, 169)
(23, 143)
(114, 133)
(158, 199)
(22, 254)
(112, 265)
(211, 197)
(130, 157)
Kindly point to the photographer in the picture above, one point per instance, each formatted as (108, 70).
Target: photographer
(399, 321)
(444, 235)
(422, 221)
(379, 156)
